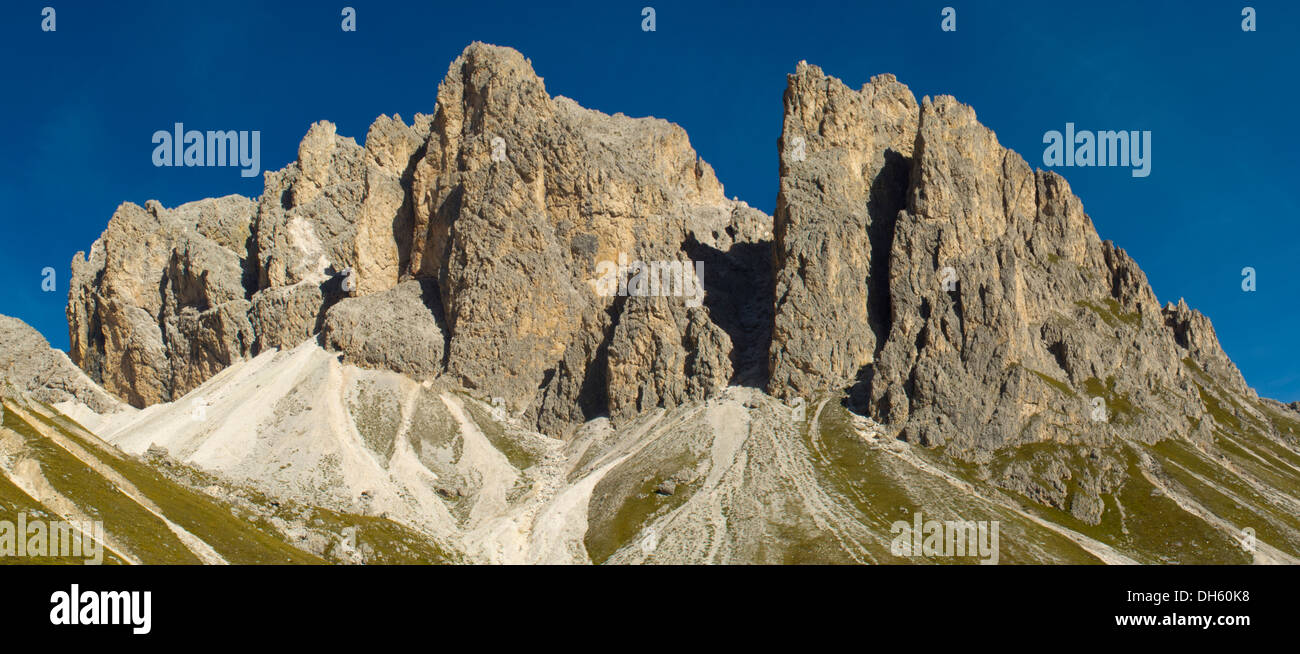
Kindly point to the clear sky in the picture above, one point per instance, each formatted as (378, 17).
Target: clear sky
(80, 105)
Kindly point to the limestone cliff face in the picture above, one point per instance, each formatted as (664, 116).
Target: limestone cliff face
(844, 175)
(984, 313)
(506, 199)
(340, 211)
(517, 200)
(169, 297)
(159, 304)
(1035, 295)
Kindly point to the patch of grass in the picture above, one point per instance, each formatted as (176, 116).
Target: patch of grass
(519, 456)
(1285, 425)
(1277, 454)
(1112, 313)
(1216, 410)
(849, 466)
(629, 490)
(381, 540)
(385, 542)
(1191, 365)
(1256, 435)
(1256, 462)
(13, 501)
(1153, 529)
(886, 489)
(1132, 318)
(1244, 508)
(800, 542)
(1059, 385)
(1213, 395)
(251, 537)
(434, 434)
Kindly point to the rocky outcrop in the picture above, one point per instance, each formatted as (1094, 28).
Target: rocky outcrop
(1194, 333)
(384, 226)
(28, 365)
(844, 171)
(306, 235)
(393, 330)
(160, 303)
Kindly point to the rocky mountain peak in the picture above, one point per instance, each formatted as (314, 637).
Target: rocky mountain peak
(965, 299)
(506, 201)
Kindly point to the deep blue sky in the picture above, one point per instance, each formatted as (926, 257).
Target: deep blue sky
(79, 107)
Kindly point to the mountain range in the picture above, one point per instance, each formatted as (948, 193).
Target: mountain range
(401, 352)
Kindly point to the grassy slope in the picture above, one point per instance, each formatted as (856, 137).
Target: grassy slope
(236, 540)
(241, 537)
(252, 538)
(139, 531)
